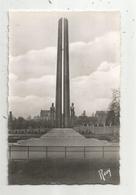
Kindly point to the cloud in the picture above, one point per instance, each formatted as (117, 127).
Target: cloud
(105, 66)
(84, 58)
(37, 30)
(42, 87)
(94, 92)
(94, 60)
(35, 63)
(91, 92)
(29, 105)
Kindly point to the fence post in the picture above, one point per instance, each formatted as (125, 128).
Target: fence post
(84, 152)
(46, 152)
(65, 152)
(103, 152)
(28, 152)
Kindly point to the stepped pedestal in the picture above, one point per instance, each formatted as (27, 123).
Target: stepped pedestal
(63, 137)
(61, 143)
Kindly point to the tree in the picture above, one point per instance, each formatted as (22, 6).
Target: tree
(114, 107)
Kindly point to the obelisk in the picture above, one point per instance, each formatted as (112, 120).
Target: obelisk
(59, 77)
(66, 91)
(62, 101)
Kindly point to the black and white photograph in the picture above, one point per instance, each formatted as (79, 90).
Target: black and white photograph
(64, 97)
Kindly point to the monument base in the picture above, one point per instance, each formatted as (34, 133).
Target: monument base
(65, 143)
(64, 137)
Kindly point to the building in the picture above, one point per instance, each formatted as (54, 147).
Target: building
(101, 117)
(45, 115)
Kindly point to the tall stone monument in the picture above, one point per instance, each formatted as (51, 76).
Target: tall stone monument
(62, 77)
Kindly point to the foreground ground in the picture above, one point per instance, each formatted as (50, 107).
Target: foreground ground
(36, 172)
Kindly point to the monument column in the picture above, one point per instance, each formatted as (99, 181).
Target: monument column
(66, 91)
(59, 77)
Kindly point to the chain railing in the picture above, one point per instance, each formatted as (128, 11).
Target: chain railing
(65, 152)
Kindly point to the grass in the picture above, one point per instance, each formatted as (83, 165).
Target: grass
(36, 172)
(108, 137)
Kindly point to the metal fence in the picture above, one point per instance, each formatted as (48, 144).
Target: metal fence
(65, 152)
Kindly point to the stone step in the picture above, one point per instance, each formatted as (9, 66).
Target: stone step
(63, 137)
(63, 132)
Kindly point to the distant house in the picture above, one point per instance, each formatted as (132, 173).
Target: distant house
(101, 117)
(45, 115)
(36, 118)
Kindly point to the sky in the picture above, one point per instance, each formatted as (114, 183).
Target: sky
(94, 60)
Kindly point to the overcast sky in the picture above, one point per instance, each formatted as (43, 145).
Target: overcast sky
(94, 60)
